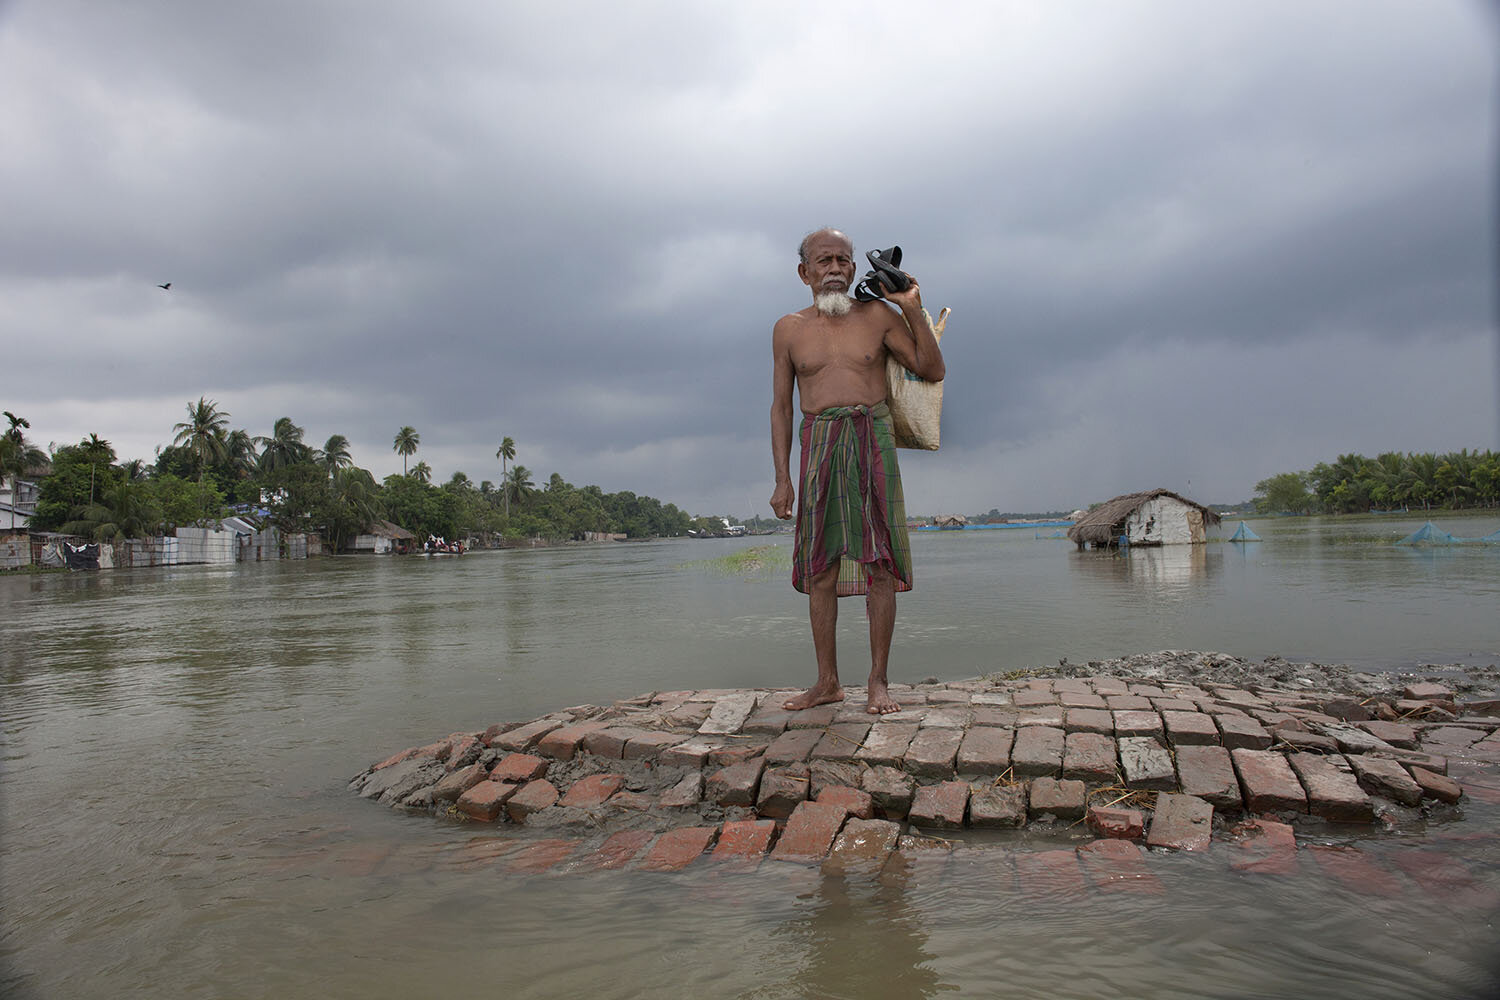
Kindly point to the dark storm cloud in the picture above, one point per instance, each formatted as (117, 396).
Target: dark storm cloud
(575, 226)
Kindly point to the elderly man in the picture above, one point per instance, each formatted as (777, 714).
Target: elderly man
(851, 519)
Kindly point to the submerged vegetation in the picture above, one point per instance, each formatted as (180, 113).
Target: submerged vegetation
(747, 562)
(1391, 481)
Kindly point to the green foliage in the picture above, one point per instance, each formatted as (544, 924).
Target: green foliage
(81, 475)
(179, 501)
(125, 510)
(1390, 481)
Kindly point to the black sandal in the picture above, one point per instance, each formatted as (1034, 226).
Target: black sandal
(885, 276)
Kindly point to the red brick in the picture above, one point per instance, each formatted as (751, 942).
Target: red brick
(1081, 700)
(985, 750)
(793, 745)
(810, 832)
(637, 801)
(1063, 799)
(1207, 773)
(1241, 732)
(609, 740)
(817, 717)
(744, 840)
(650, 745)
(540, 856)
(735, 753)
(941, 805)
(1138, 724)
(687, 792)
(1356, 870)
(932, 752)
(563, 743)
(518, 767)
(460, 781)
(1128, 703)
(1190, 729)
(485, 800)
(1089, 720)
(1446, 878)
(462, 744)
(676, 849)
(840, 741)
(857, 803)
(1266, 847)
(997, 805)
(1030, 699)
(1332, 791)
(593, 790)
(396, 758)
(1437, 786)
(782, 789)
(1397, 734)
(1181, 822)
(1050, 875)
(1425, 691)
(618, 851)
(1046, 715)
(1268, 782)
(525, 737)
(886, 743)
(1110, 821)
(1038, 751)
(533, 796)
(1119, 866)
(1387, 778)
(890, 789)
(1145, 763)
(1090, 757)
(736, 784)
(864, 841)
(689, 753)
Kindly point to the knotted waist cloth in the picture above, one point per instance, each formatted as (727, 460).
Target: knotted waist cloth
(850, 511)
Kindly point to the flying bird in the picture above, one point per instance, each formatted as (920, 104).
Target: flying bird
(167, 287)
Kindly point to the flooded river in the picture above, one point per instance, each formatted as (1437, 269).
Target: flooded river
(177, 742)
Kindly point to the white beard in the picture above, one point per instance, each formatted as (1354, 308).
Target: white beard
(833, 303)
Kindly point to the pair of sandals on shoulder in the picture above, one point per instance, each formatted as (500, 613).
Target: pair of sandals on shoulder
(885, 276)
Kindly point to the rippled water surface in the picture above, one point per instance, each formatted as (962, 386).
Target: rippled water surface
(177, 741)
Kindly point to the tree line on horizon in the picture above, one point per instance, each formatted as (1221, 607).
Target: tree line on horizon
(1353, 484)
(209, 470)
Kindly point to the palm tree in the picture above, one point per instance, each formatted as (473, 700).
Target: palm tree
(422, 472)
(284, 447)
(17, 455)
(202, 434)
(336, 454)
(239, 449)
(407, 440)
(506, 453)
(125, 511)
(518, 484)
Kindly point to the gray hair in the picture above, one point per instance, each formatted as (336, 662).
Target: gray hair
(802, 247)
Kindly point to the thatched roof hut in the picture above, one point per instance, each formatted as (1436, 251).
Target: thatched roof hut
(1155, 517)
(950, 522)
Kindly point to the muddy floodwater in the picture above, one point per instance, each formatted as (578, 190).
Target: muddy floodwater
(177, 745)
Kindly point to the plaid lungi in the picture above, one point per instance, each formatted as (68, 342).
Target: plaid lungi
(849, 506)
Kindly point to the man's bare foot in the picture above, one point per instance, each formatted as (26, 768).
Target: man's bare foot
(818, 694)
(880, 701)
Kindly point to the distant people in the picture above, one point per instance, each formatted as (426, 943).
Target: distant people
(851, 519)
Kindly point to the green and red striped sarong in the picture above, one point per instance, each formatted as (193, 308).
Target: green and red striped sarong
(849, 508)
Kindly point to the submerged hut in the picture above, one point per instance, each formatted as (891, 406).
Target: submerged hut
(950, 522)
(1155, 517)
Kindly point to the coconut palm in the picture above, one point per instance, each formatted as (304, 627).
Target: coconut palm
(335, 454)
(202, 434)
(17, 455)
(506, 453)
(124, 511)
(422, 472)
(284, 447)
(518, 484)
(407, 440)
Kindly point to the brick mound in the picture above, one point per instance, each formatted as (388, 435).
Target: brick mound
(666, 777)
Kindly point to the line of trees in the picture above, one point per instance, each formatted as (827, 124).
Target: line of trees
(1391, 481)
(210, 468)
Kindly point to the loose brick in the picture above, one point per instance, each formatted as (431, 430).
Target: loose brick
(632, 802)
(1426, 691)
(1436, 786)
(886, 743)
(1267, 781)
(737, 784)
(688, 715)
(1242, 732)
(1299, 739)
(1050, 875)
(676, 849)
(942, 805)
(686, 793)
(822, 773)
(460, 781)
(1122, 824)
(1119, 866)
(1181, 822)
(1032, 699)
(948, 717)
(1146, 763)
(1409, 759)
(689, 753)
(985, 750)
(1352, 739)
(1332, 791)
(617, 851)
(540, 856)
(519, 767)
(1063, 799)
(864, 842)
(817, 717)
(563, 742)
(525, 737)
(1138, 724)
(1397, 734)
(650, 745)
(1081, 700)
(728, 714)
(767, 720)
(1050, 716)
(891, 791)
(1207, 773)
(1174, 705)
(534, 796)
(1451, 739)
(610, 741)
(1190, 729)
(1386, 778)
(782, 789)
(1266, 847)
(1090, 757)
(856, 803)
(1089, 720)
(1128, 703)
(745, 840)
(592, 790)
(995, 715)
(1147, 691)
(1038, 751)
(841, 741)
(809, 833)
(793, 745)
(484, 801)
(997, 805)
(932, 752)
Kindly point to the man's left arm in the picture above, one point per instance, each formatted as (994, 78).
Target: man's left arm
(913, 342)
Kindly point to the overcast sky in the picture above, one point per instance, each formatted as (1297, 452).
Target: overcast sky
(1187, 245)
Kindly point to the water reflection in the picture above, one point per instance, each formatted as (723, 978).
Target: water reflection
(1154, 571)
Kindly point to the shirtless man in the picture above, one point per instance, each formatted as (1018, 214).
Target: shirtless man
(851, 519)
